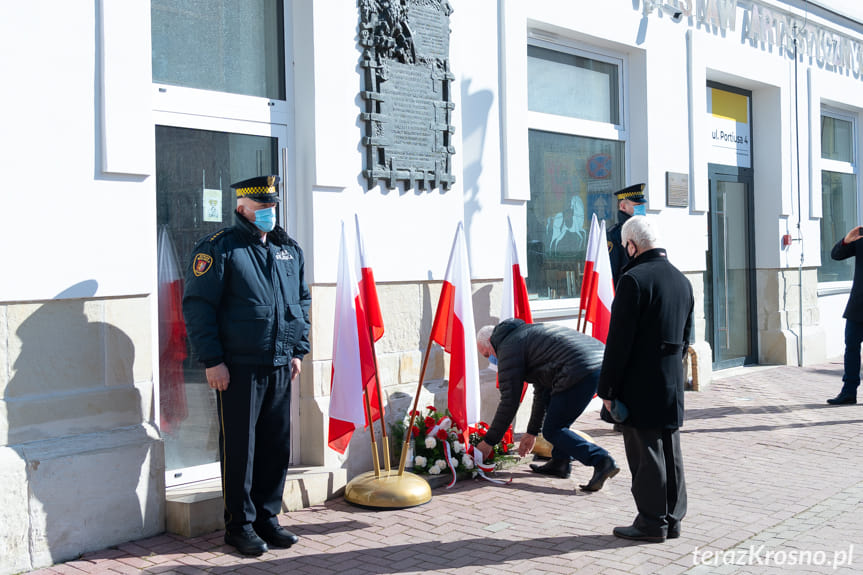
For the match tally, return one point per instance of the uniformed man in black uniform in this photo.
(246, 305)
(630, 202)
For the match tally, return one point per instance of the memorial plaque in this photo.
(676, 189)
(407, 93)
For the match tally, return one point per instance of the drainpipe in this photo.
(799, 194)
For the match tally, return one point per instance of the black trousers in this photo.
(656, 464)
(254, 442)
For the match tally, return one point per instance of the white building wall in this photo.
(78, 218)
(83, 461)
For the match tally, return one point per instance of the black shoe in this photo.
(275, 534)
(635, 534)
(246, 541)
(673, 532)
(557, 467)
(843, 399)
(603, 471)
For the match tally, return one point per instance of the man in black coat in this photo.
(246, 306)
(648, 337)
(630, 202)
(563, 366)
(845, 248)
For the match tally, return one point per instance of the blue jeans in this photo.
(853, 338)
(563, 409)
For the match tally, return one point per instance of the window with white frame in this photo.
(220, 93)
(576, 140)
(838, 190)
(234, 46)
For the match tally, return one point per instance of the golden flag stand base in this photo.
(388, 491)
(543, 448)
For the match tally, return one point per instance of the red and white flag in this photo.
(353, 359)
(587, 278)
(368, 289)
(602, 292)
(515, 302)
(453, 328)
(173, 409)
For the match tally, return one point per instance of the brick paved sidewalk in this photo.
(775, 480)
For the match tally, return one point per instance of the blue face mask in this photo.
(492, 362)
(265, 219)
(639, 210)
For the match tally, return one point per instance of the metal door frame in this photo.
(733, 174)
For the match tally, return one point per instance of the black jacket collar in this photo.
(251, 233)
(649, 255)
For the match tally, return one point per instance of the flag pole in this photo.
(375, 462)
(410, 426)
(587, 306)
(384, 439)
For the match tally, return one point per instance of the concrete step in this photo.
(196, 508)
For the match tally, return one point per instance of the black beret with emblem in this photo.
(633, 193)
(261, 189)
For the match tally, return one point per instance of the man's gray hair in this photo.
(483, 336)
(638, 230)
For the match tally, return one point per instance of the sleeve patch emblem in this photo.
(202, 264)
(610, 246)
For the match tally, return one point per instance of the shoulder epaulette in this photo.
(217, 234)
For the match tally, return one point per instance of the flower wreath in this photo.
(439, 445)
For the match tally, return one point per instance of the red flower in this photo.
(441, 434)
(431, 408)
(415, 431)
(430, 422)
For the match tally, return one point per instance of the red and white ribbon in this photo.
(444, 425)
(482, 468)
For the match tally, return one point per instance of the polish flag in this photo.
(515, 302)
(453, 329)
(368, 290)
(589, 264)
(353, 360)
(601, 293)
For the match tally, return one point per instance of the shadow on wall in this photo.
(476, 107)
(75, 419)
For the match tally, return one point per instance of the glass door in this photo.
(729, 281)
(194, 170)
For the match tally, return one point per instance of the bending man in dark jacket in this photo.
(648, 336)
(246, 306)
(563, 366)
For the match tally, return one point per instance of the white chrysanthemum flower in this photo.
(434, 470)
(420, 461)
(457, 448)
(431, 442)
(440, 463)
(467, 461)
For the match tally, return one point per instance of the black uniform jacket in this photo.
(647, 339)
(616, 253)
(841, 251)
(246, 302)
(551, 357)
